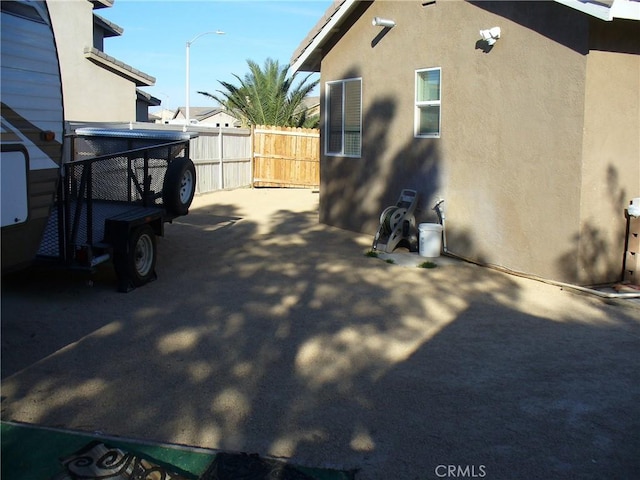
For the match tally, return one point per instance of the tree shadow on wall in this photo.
(356, 190)
(598, 253)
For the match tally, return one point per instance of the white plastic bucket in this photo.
(430, 239)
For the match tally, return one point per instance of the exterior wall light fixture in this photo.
(383, 22)
(491, 35)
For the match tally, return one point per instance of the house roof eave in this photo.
(100, 58)
(110, 28)
(101, 3)
(308, 55)
(147, 98)
(608, 11)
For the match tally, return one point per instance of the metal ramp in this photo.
(398, 223)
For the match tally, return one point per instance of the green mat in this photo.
(32, 452)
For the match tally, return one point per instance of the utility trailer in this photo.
(105, 198)
(114, 198)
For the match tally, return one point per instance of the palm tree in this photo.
(268, 96)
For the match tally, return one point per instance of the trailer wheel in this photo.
(179, 186)
(137, 266)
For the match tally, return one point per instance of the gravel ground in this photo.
(268, 332)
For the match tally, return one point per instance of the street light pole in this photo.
(188, 86)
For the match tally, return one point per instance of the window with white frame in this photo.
(344, 118)
(427, 112)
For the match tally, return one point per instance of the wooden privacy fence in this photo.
(227, 158)
(222, 157)
(286, 157)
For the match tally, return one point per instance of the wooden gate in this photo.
(286, 157)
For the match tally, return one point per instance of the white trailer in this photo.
(31, 130)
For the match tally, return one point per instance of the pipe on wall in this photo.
(569, 286)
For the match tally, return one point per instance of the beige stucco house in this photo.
(531, 136)
(96, 86)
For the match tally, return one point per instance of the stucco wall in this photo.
(611, 162)
(510, 161)
(91, 93)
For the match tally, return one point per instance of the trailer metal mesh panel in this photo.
(49, 247)
(108, 177)
(121, 178)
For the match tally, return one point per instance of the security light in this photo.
(490, 35)
(383, 22)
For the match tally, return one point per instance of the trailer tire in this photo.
(137, 266)
(179, 186)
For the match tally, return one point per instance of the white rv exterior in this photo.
(32, 128)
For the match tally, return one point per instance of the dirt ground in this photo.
(268, 332)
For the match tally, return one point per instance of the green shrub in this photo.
(427, 264)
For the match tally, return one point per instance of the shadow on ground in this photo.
(268, 332)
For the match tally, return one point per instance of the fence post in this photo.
(253, 156)
(220, 165)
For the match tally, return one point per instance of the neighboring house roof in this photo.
(147, 98)
(110, 29)
(141, 79)
(310, 102)
(308, 55)
(311, 105)
(212, 112)
(201, 113)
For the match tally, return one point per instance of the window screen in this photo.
(344, 118)
(428, 103)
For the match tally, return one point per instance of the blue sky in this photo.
(156, 33)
